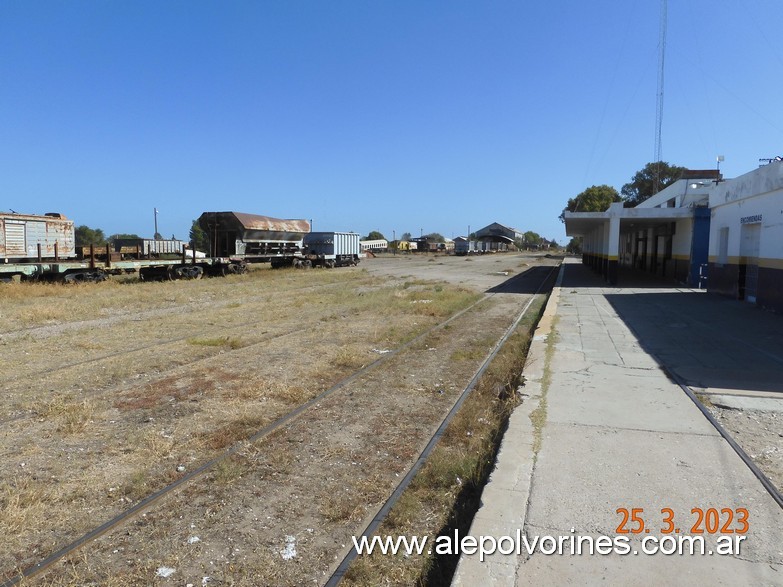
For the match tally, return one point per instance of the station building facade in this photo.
(700, 231)
(746, 237)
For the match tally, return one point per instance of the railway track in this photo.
(48, 330)
(22, 373)
(162, 374)
(692, 393)
(338, 574)
(285, 420)
(721, 338)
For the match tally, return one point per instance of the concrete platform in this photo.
(603, 427)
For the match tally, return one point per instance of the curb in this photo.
(502, 512)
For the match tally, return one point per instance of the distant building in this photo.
(497, 237)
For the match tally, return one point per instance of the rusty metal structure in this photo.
(253, 238)
(26, 236)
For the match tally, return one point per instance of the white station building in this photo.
(701, 231)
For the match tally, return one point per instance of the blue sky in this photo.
(370, 115)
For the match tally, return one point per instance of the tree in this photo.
(122, 236)
(375, 236)
(406, 236)
(596, 198)
(434, 237)
(199, 240)
(86, 236)
(532, 239)
(642, 184)
(575, 246)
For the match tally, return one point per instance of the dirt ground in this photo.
(110, 392)
(760, 434)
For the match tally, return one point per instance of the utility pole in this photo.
(659, 103)
(155, 236)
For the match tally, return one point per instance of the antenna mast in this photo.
(659, 104)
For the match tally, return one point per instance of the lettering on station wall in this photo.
(750, 219)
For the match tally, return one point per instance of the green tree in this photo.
(199, 240)
(375, 236)
(434, 237)
(406, 236)
(86, 236)
(596, 198)
(575, 246)
(122, 235)
(532, 239)
(643, 183)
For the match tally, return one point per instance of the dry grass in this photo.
(70, 414)
(170, 373)
(445, 493)
(228, 342)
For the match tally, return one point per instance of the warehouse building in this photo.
(496, 237)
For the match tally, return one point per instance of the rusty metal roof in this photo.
(255, 222)
(266, 223)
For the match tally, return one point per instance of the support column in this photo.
(613, 249)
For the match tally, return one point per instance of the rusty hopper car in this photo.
(28, 237)
(253, 238)
(332, 249)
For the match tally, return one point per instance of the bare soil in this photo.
(111, 391)
(760, 434)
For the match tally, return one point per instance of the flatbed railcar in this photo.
(42, 248)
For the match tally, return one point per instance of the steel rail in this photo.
(773, 491)
(339, 573)
(153, 498)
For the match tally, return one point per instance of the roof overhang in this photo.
(582, 223)
(495, 238)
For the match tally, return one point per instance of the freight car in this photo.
(281, 242)
(26, 236)
(253, 238)
(43, 248)
(331, 249)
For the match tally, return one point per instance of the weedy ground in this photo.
(114, 390)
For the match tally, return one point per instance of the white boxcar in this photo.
(332, 248)
(26, 237)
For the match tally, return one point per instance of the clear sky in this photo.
(390, 115)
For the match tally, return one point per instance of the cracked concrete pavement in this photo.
(617, 433)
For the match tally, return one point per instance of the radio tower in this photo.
(659, 104)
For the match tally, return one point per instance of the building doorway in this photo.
(750, 245)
